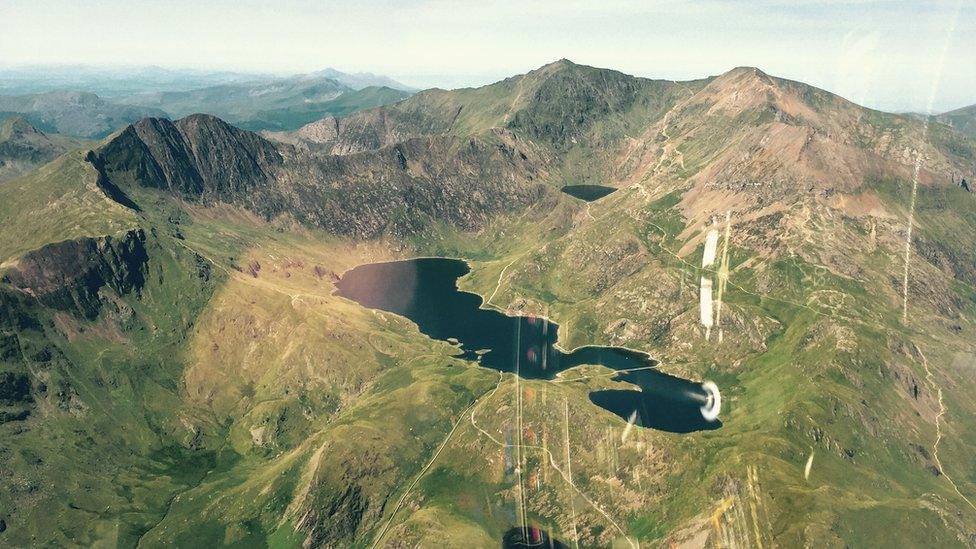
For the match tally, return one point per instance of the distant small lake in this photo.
(425, 291)
(588, 193)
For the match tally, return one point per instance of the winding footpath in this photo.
(938, 429)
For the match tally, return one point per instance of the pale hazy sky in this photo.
(896, 55)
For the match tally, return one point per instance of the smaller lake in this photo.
(425, 291)
(588, 193)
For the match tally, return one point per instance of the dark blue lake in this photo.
(588, 193)
(425, 291)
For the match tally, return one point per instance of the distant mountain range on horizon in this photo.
(93, 103)
(121, 81)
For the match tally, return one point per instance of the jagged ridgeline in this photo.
(175, 368)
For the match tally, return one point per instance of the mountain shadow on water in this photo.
(425, 291)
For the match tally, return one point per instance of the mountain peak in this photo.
(745, 70)
(555, 66)
(745, 76)
(202, 119)
(750, 89)
(199, 155)
(562, 62)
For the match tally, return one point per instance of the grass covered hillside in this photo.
(175, 368)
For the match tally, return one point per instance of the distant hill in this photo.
(23, 147)
(122, 81)
(92, 102)
(294, 116)
(963, 120)
(274, 104)
(111, 82)
(360, 80)
(78, 114)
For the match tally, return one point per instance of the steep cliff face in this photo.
(76, 277)
(73, 275)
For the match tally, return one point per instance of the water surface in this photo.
(588, 193)
(425, 291)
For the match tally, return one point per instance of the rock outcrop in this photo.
(72, 276)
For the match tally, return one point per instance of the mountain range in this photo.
(251, 101)
(176, 369)
(125, 81)
(78, 114)
(279, 104)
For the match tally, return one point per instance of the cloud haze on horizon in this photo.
(893, 55)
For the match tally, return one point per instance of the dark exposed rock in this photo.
(69, 275)
(345, 501)
(199, 156)
(21, 340)
(110, 189)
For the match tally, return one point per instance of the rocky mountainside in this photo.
(561, 104)
(169, 316)
(397, 190)
(198, 156)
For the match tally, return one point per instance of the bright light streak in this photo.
(713, 405)
(630, 426)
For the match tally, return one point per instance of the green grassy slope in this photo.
(59, 201)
